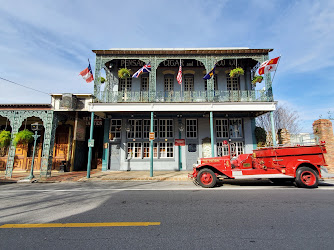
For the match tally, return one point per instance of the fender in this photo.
(292, 166)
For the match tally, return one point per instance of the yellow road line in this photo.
(106, 224)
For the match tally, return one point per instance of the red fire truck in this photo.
(299, 163)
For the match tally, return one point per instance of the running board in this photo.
(261, 176)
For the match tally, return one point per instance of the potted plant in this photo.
(4, 138)
(102, 79)
(237, 72)
(23, 137)
(257, 79)
(124, 73)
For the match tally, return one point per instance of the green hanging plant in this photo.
(5, 138)
(257, 79)
(124, 73)
(237, 72)
(23, 137)
(102, 79)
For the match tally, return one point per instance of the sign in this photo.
(180, 142)
(97, 120)
(151, 136)
(91, 143)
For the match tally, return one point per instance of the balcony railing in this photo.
(187, 96)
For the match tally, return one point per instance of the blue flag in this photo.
(210, 74)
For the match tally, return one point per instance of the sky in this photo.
(44, 44)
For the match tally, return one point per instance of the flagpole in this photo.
(276, 69)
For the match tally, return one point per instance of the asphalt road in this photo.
(243, 215)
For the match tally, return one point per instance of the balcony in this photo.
(216, 96)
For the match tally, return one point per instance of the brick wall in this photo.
(324, 129)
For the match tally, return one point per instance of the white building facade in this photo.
(190, 120)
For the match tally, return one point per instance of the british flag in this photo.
(145, 69)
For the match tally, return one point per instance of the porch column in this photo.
(89, 163)
(210, 83)
(153, 80)
(212, 138)
(151, 141)
(105, 156)
(97, 77)
(14, 123)
(273, 128)
(50, 124)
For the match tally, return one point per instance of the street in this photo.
(243, 215)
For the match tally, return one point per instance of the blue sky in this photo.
(45, 44)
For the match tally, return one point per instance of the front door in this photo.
(191, 155)
(115, 156)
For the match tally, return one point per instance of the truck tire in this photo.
(306, 178)
(206, 178)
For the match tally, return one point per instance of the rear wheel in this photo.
(206, 178)
(306, 178)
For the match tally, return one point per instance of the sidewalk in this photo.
(98, 175)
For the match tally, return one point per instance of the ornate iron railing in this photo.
(187, 96)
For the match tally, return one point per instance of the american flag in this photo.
(179, 75)
(145, 68)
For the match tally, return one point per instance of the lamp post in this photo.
(34, 127)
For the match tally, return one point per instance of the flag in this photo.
(179, 75)
(210, 74)
(87, 74)
(145, 68)
(268, 66)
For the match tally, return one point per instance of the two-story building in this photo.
(204, 114)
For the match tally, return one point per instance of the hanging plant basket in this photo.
(257, 79)
(5, 138)
(23, 137)
(102, 79)
(124, 73)
(237, 72)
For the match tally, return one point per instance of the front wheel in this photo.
(306, 178)
(206, 178)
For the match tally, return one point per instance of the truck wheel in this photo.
(207, 178)
(306, 178)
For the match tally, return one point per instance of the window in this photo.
(188, 82)
(125, 84)
(215, 82)
(166, 150)
(169, 83)
(222, 149)
(166, 128)
(233, 83)
(147, 149)
(235, 128)
(135, 129)
(115, 129)
(134, 150)
(147, 128)
(144, 83)
(237, 148)
(191, 128)
(222, 128)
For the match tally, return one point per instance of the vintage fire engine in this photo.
(301, 164)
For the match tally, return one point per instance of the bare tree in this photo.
(284, 118)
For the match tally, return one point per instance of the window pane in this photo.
(191, 128)
(115, 129)
(166, 150)
(221, 128)
(235, 128)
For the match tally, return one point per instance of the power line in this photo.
(24, 86)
